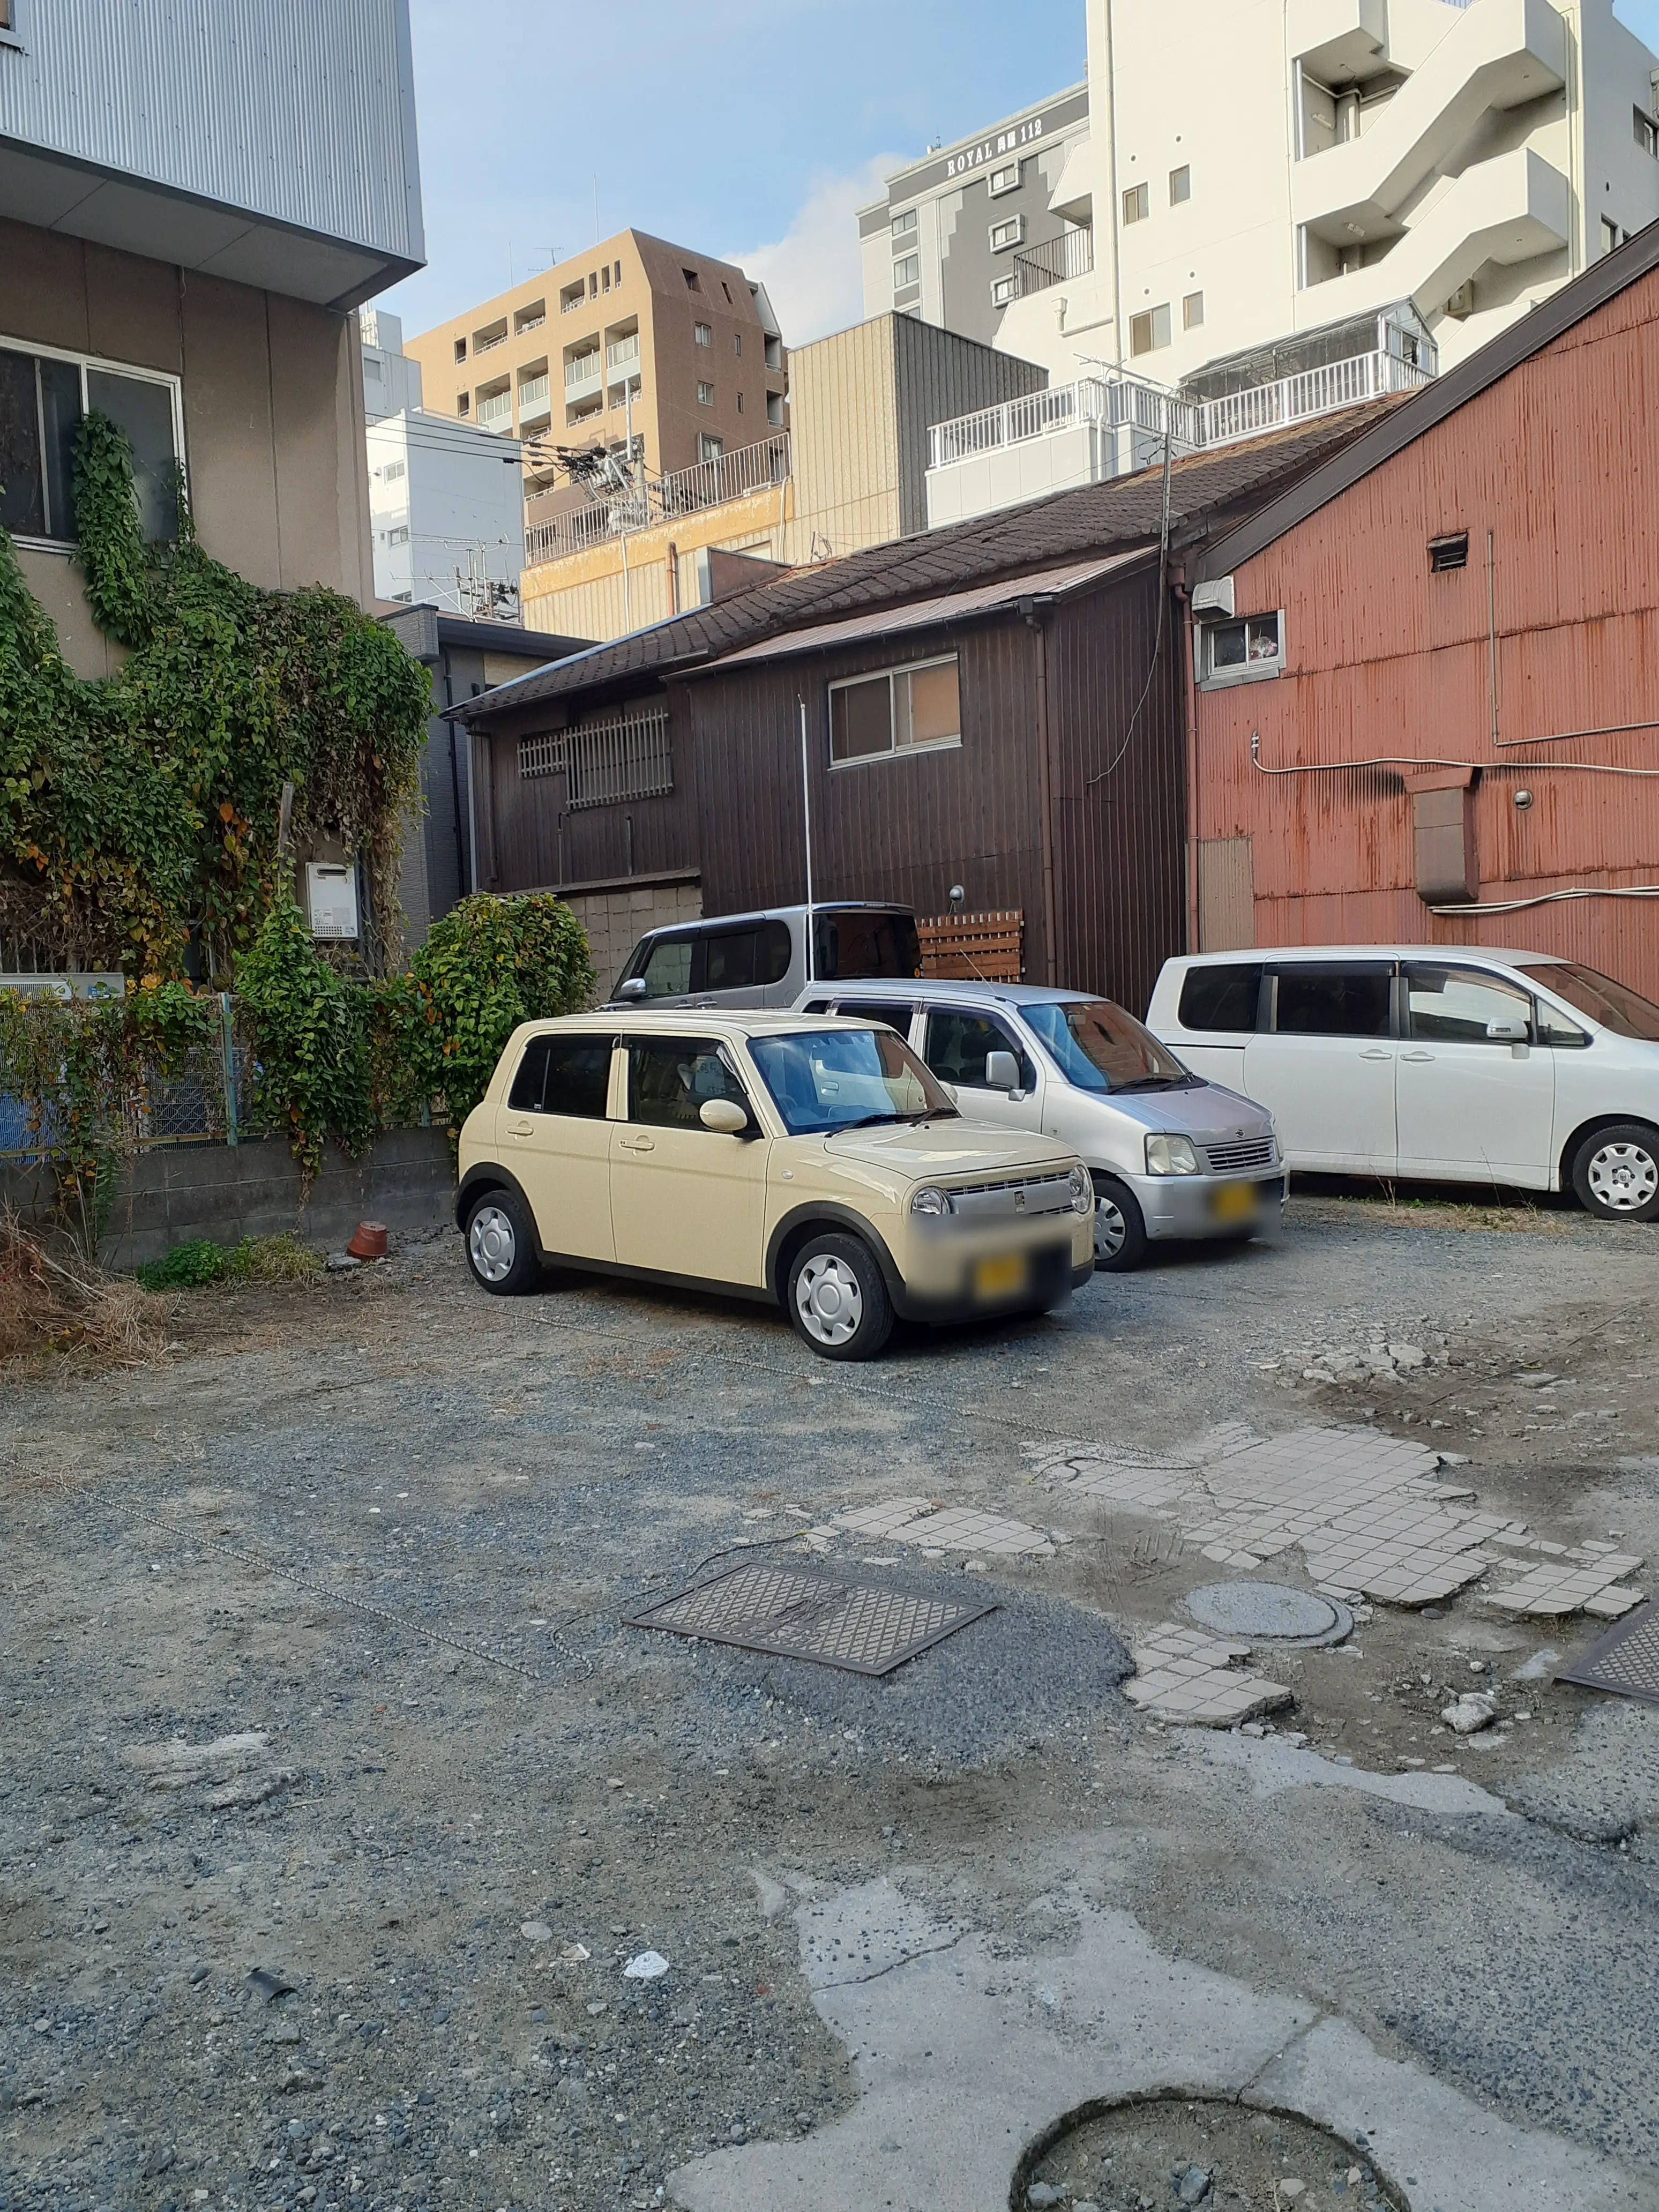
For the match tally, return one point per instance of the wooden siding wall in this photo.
(529, 841)
(1559, 461)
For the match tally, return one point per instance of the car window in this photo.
(872, 1009)
(747, 958)
(1348, 1002)
(849, 944)
(1222, 998)
(1098, 1047)
(1614, 1006)
(957, 1043)
(828, 1079)
(1453, 1005)
(667, 970)
(569, 1075)
(670, 1079)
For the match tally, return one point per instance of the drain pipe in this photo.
(1183, 590)
(1032, 611)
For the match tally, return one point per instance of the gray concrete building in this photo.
(968, 229)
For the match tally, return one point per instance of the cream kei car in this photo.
(798, 1159)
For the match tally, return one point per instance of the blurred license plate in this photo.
(998, 1277)
(1233, 1201)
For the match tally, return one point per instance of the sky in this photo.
(750, 130)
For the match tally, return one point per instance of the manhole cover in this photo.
(864, 1629)
(1625, 1660)
(1270, 1611)
(1171, 2151)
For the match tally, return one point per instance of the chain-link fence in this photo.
(206, 1100)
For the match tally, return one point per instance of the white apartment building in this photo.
(1264, 167)
(960, 232)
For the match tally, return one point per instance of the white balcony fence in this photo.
(1122, 399)
(621, 352)
(759, 467)
(495, 413)
(488, 345)
(532, 395)
(584, 372)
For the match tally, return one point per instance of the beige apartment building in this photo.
(682, 347)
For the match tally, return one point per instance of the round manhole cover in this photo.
(1271, 1611)
(1174, 2151)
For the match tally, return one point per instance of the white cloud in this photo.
(813, 273)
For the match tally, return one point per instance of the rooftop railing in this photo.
(760, 467)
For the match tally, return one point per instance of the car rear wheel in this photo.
(837, 1299)
(1120, 1227)
(1615, 1172)
(501, 1245)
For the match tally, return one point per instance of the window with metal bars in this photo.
(622, 756)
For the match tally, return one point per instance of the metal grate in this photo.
(863, 1629)
(1233, 1159)
(1625, 1660)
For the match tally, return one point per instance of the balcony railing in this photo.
(584, 372)
(1056, 262)
(1123, 400)
(534, 396)
(488, 345)
(529, 322)
(622, 351)
(495, 413)
(759, 467)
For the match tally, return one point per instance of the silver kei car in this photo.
(1172, 1156)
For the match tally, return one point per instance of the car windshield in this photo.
(1097, 1047)
(1615, 1006)
(826, 1079)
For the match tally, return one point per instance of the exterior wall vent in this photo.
(1451, 552)
(1443, 836)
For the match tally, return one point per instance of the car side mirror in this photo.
(1001, 1072)
(724, 1114)
(1508, 1031)
(633, 988)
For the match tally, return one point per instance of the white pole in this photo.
(806, 813)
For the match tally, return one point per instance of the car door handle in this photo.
(521, 1128)
(637, 1144)
(1375, 1054)
(1417, 1058)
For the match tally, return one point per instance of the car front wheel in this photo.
(501, 1245)
(1615, 1172)
(836, 1297)
(1120, 1227)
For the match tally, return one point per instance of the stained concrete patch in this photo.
(962, 2056)
(1274, 1765)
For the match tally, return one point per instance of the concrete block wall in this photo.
(615, 919)
(227, 1191)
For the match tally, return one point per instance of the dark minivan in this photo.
(760, 959)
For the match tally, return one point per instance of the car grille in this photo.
(1240, 1155)
(1021, 1196)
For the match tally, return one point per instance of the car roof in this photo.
(694, 1021)
(1324, 953)
(926, 988)
(696, 923)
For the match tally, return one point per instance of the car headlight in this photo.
(1083, 1191)
(929, 1201)
(1167, 1155)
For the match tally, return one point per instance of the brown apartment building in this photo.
(688, 345)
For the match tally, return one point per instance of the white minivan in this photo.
(1443, 1063)
(1171, 1154)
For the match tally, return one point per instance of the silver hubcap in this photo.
(491, 1242)
(1110, 1230)
(1623, 1177)
(828, 1299)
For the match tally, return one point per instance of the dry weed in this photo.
(56, 1302)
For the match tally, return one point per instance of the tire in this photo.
(1615, 1172)
(1119, 1228)
(501, 1244)
(836, 1299)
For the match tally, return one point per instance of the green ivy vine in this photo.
(142, 811)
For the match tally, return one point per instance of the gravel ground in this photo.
(366, 1548)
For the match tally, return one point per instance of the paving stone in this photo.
(923, 1522)
(1193, 1679)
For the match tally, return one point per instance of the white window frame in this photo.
(911, 262)
(1212, 678)
(905, 225)
(1007, 234)
(894, 752)
(1006, 179)
(704, 393)
(702, 334)
(1149, 316)
(84, 362)
(1004, 290)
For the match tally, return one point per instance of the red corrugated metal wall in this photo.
(1558, 462)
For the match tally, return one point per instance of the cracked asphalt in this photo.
(365, 1549)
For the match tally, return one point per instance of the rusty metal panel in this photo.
(1551, 629)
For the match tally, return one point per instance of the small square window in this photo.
(908, 272)
(904, 226)
(1006, 179)
(693, 281)
(1149, 330)
(1003, 290)
(1242, 652)
(1645, 131)
(1450, 551)
(1192, 312)
(705, 395)
(702, 333)
(709, 447)
(460, 348)
(1137, 203)
(775, 408)
(463, 402)
(1180, 184)
(1011, 231)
